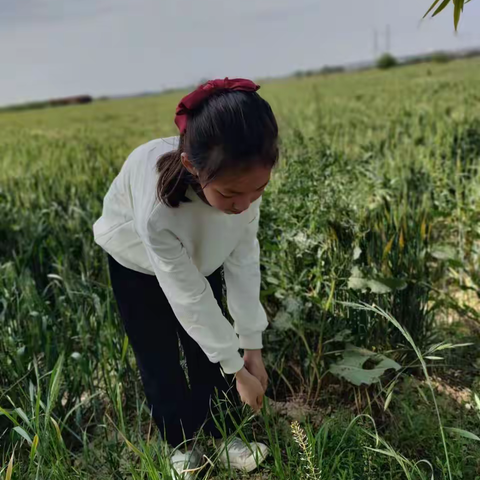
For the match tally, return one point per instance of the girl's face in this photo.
(232, 193)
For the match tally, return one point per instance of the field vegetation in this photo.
(370, 258)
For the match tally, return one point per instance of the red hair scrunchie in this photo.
(195, 98)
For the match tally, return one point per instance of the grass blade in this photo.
(408, 337)
(54, 386)
(23, 434)
(441, 7)
(463, 433)
(8, 475)
(23, 415)
(434, 4)
(57, 429)
(458, 7)
(388, 400)
(33, 450)
(4, 412)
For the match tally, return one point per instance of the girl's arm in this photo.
(242, 278)
(191, 298)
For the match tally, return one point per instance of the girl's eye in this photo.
(225, 196)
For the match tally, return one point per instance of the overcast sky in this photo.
(51, 48)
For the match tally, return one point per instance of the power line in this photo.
(379, 38)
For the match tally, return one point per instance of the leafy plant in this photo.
(440, 5)
(375, 201)
(351, 366)
(386, 61)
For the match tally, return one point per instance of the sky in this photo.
(54, 48)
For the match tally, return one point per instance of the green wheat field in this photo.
(370, 237)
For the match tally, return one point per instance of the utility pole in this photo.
(387, 39)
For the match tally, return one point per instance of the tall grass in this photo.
(375, 202)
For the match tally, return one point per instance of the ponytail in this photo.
(173, 179)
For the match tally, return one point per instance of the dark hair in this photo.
(230, 130)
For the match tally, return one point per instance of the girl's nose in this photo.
(241, 204)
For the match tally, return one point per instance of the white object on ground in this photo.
(242, 456)
(184, 464)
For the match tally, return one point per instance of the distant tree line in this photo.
(387, 60)
(54, 102)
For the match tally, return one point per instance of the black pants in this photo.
(179, 407)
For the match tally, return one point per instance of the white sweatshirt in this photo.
(183, 245)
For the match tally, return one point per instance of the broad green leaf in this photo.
(447, 254)
(356, 280)
(463, 433)
(380, 285)
(342, 336)
(392, 283)
(350, 367)
(377, 286)
(285, 318)
(444, 252)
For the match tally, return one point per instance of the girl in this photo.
(182, 216)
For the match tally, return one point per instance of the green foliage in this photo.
(440, 57)
(352, 366)
(440, 5)
(376, 201)
(386, 61)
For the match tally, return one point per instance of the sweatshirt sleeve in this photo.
(191, 298)
(242, 278)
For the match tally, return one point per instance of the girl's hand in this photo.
(249, 389)
(254, 364)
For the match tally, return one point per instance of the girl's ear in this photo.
(188, 165)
